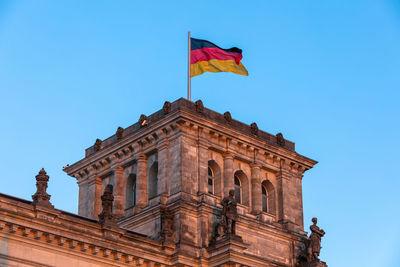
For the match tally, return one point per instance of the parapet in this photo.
(195, 108)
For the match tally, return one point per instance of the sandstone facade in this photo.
(170, 172)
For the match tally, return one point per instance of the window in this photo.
(153, 180)
(131, 191)
(268, 197)
(238, 189)
(264, 199)
(213, 181)
(210, 183)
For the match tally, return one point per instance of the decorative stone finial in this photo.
(97, 144)
(254, 128)
(199, 106)
(119, 133)
(143, 120)
(41, 198)
(280, 140)
(106, 217)
(228, 117)
(167, 107)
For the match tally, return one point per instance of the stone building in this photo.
(169, 173)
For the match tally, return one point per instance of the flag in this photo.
(207, 57)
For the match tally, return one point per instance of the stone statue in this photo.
(229, 213)
(106, 217)
(315, 240)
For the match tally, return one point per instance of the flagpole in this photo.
(189, 49)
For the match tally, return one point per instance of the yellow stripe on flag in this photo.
(215, 65)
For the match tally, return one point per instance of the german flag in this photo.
(207, 57)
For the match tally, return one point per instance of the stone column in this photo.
(141, 188)
(118, 191)
(256, 193)
(94, 197)
(228, 173)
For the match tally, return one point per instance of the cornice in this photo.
(184, 120)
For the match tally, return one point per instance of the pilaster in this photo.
(83, 197)
(202, 148)
(118, 191)
(94, 204)
(162, 148)
(142, 181)
(289, 199)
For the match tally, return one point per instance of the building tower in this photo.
(170, 172)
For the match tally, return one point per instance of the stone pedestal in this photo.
(226, 250)
(227, 243)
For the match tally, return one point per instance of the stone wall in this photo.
(186, 141)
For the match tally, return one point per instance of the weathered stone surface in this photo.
(199, 152)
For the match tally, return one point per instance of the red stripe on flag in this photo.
(208, 53)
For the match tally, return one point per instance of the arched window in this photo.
(131, 191)
(238, 189)
(210, 183)
(264, 199)
(268, 197)
(214, 185)
(153, 180)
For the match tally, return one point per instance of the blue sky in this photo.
(324, 73)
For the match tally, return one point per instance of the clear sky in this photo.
(324, 73)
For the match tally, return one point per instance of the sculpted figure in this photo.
(229, 212)
(315, 239)
(106, 217)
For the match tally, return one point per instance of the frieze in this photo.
(82, 246)
(214, 137)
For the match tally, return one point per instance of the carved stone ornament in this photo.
(106, 217)
(228, 117)
(167, 233)
(167, 107)
(280, 140)
(97, 144)
(199, 106)
(41, 198)
(143, 120)
(119, 133)
(254, 128)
